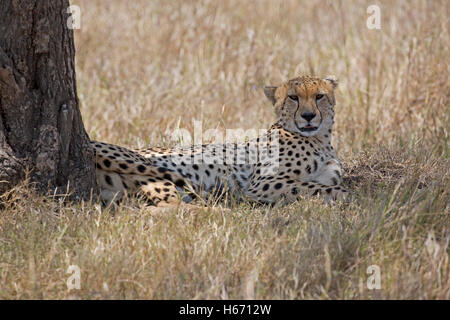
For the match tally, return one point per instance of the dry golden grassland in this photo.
(145, 68)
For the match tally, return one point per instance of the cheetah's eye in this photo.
(292, 97)
(319, 96)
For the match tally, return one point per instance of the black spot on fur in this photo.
(108, 180)
(180, 183)
(162, 170)
(123, 166)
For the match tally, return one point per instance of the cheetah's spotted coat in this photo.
(307, 163)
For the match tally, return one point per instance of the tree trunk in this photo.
(41, 130)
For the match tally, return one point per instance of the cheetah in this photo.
(293, 158)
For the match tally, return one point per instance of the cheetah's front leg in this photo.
(272, 191)
(330, 193)
(330, 174)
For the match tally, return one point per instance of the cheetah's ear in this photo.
(332, 80)
(270, 93)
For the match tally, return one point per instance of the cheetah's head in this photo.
(304, 104)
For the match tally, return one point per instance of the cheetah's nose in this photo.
(308, 116)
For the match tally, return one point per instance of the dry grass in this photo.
(145, 68)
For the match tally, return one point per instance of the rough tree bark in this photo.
(41, 129)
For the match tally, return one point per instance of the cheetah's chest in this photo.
(303, 160)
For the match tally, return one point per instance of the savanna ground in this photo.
(145, 68)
